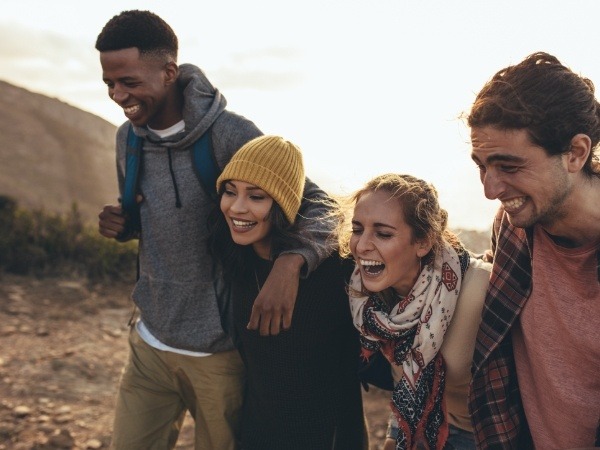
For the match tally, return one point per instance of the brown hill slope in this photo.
(53, 154)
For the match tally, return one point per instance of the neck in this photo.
(262, 249)
(172, 110)
(581, 223)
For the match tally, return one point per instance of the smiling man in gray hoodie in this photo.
(181, 356)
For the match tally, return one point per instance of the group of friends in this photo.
(256, 303)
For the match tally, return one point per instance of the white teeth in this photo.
(369, 262)
(243, 223)
(131, 109)
(372, 268)
(514, 203)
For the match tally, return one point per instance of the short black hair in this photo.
(141, 29)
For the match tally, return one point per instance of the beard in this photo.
(553, 208)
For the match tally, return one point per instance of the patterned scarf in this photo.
(410, 335)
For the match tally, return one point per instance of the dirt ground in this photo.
(63, 344)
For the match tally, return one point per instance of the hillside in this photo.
(53, 154)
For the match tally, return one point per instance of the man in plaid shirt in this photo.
(536, 369)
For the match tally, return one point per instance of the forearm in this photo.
(290, 263)
(316, 225)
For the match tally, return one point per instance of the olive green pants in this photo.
(157, 388)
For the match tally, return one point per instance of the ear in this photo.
(581, 146)
(424, 247)
(171, 72)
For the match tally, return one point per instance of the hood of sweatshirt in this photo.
(203, 103)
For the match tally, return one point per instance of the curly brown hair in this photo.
(547, 99)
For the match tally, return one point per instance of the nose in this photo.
(493, 185)
(364, 243)
(239, 205)
(117, 94)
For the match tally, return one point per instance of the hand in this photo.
(111, 221)
(274, 305)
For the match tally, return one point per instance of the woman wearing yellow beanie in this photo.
(302, 388)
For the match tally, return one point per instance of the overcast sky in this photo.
(364, 87)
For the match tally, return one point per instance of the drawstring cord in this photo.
(177, 199)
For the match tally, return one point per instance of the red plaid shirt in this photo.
(494, 398)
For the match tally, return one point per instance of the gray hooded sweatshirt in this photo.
(180, 289)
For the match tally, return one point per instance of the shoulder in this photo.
(232, 127)
(475, 283)
(335, 266)
(479, 268)
(122, 131)
(478, 274)
(121, 139)
(230, 131)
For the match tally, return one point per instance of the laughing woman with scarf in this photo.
(416, 295)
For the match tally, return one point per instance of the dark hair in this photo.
(419, 202)
(547, 99)
(141, 29)
(234, 257)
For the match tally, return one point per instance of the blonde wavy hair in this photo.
(420, 206)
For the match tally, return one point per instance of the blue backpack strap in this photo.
(205, 165)
(203, 161)
(133, 156)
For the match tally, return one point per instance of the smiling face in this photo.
(246, 209)
(141, 85)
(532, 186)
(382, 244)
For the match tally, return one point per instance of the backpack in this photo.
(203, 161)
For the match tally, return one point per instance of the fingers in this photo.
(273, 326)
(254, 321)
(111, 221)
(268, 323)
(286, 320)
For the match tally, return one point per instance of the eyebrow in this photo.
(376, 224)
(250, 188)
(499, 158)
(121, 79)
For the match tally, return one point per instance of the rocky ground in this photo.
(63, 344)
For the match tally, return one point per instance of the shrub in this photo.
(40, 243)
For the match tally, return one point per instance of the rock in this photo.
(42, 331)
(15, 296)
(63, 410)
(7, 330)
(71, 284)
(62, 439)
(63, 418)
(21, 411)
(26, 329)
(93, 444)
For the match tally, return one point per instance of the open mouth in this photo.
(243, 224)
(131, 110)
(371, 267)
(514, 205)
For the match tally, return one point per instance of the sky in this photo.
(363, 87)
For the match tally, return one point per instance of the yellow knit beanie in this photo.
(274, 165)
